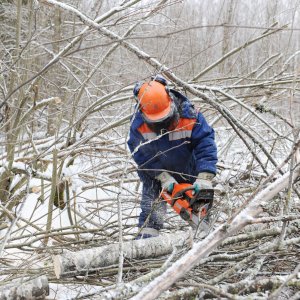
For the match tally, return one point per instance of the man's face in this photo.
(167, 125)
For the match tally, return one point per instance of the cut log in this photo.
(214, 239)
(89, 260)
(35, 289)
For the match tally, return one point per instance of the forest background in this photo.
(67, 179)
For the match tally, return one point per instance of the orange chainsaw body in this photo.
(183, 202)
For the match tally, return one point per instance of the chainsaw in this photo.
(190, 206)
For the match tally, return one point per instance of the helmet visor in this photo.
(161, 116)
(167, 124)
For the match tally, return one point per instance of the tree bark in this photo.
(213, 240)
(37, 288)
(85, 261)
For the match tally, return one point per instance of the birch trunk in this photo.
(37, 288)
(85, 261)
(213, 240)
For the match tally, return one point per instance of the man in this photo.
(171, 143)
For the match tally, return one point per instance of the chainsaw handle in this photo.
(181, 192)
(209, 196)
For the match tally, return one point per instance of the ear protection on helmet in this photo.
(160, 79)
(157, 78)
(136, 90)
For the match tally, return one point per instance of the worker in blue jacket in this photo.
(171, 143)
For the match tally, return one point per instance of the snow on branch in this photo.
(88, 260)
(213, 240)
(37, 288)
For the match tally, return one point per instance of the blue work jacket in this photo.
(183, 152)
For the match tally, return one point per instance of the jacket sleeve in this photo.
(204, 146)
(144, 155)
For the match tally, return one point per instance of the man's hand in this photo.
(203, 181)
(167, 181)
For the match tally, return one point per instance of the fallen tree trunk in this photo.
(34, 289)
(229, 291)
(213, 240)
(85, 261)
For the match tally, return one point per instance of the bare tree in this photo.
(68, 184)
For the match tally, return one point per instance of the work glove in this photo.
(167, 181)
(203, 181)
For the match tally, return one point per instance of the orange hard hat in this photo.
(155, 102)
